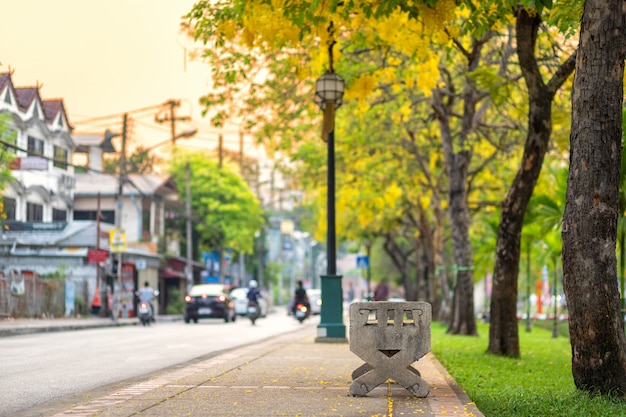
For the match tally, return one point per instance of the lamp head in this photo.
(187, 133)
(329, 89)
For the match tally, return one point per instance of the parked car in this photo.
(315, 299)
(209, 301)
(240, 298)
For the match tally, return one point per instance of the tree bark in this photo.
(591, 210)
(503, 329)
(431, 233)
(462, 320)
(401, 258)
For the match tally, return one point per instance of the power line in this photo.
(153, 126)
(47, 158)
(117, 115)
(216, 138)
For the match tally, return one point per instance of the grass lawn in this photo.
(538, 384)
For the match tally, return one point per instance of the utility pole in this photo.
(118, 219)
(188, 217)
(172, 118)
(98, 268)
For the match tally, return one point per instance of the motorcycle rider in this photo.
(300, 297)
(253, 292)
(253, 300)
(146, 295)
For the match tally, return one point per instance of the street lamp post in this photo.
(329, 96)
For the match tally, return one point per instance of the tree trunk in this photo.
(440, 279)
(401, 260)
(591, 209)
(462, 320)
(457, 152)
(503, 329)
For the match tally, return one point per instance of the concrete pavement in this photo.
(289, 375)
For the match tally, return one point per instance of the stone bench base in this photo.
(389, 337)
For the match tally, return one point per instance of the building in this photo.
(147, 201)
(91, 147)
(53, 232)
(42, 186)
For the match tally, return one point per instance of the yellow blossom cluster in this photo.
(265, 23)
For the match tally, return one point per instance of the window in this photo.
(9, 208)
(34, 212)
(106, 216)
(60, 157)
(59, 215)
(35, 146)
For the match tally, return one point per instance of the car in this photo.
(209, 301)
(240, 298)
(315, 300)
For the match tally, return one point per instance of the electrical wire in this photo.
(117, 115)
(47, 158)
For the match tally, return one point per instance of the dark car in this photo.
(209, 301)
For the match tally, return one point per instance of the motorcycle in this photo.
(302, 312)
(253, 311)
(144, 312)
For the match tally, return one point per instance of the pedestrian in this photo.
(381, 292)
(350, 293)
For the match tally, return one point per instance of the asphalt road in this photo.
(43, 367)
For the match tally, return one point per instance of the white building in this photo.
(42, 190)
(49, 227)
(145, 201)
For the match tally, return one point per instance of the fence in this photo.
(26, 295)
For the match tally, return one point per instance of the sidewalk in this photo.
(14, 327)
(290, 375)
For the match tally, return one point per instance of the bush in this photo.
(175, 303)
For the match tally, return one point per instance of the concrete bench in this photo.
(389, 337)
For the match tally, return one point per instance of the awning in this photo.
(172, 273)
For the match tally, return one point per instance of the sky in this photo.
(107, 58)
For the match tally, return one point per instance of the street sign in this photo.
(362, 262)
(96, 256)
(117, 240)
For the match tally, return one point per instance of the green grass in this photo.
(538, 384)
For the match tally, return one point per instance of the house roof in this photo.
(52, 107)
(76, 233)
(59, 240)
(88, 140)
(6, 82)
(5, 77)
(26, 95)
(91, 184)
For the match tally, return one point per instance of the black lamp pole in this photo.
(328, 95)
(331, 239)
